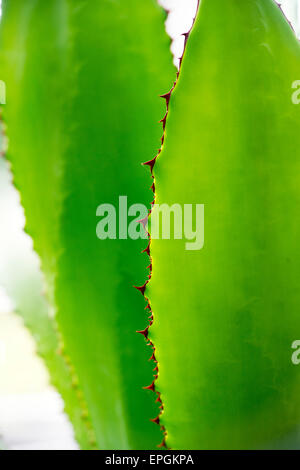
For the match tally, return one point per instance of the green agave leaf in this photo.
(34, 66)
(225, 316)
(83, 85)
(22, 280)
(26, 63)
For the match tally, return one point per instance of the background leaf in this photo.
(83, 85)
(23, 283)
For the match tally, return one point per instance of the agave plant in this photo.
(202, 359)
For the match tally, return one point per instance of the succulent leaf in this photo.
(82, 115)
(225, 316)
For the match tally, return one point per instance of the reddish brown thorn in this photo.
(186, 36)
(158, 399)
(155, 420)
(155, 369)
(150, 387)
(144, 221)
(153, 187)
(144, 332)
(148, 307)
(152, 358)
(162, 139)
(147, 249)
(150, 163)
(163, 444)
(167, 97)
(141, 289)
(164, 120)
